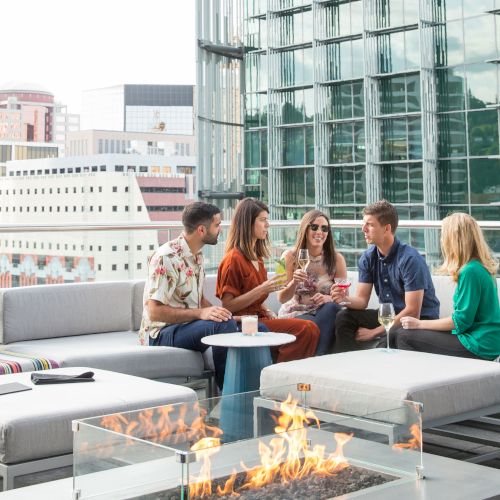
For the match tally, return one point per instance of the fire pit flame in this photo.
(288, 457)
(414, 443)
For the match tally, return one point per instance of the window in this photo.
(100, 208)
(100, 189)
(99, 267)
(119, 168)
(115, 189)
(113, 248)
(126, 208)
(126, 248)
(139, 265)
(113, 267)
(139, 247)
(125, 266)
(151, 247)
(139, 208)
(115, 208)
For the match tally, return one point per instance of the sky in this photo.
(67, 46)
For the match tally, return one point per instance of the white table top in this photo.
(238, 339)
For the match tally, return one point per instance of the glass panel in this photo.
(308, 105)
(356, 17)
(482, 88)
(483, 132)
(454, 43)
(478, 44)
(413, 93)
(451, 135)
(395, 183)
(341, 143)
(489, 213)
(453, 9)
(309, 131)
(293, 106)
(411, 12)
(394, 140)
(485, 181)
(342, 185)
(252, 149)
(358, 99)
(293, 146)
(262, 64)
(263, 148)
(359, 142)
(475, 7)
(308, 71)
(310, 189)
(293, 181)
(416, 183)
(412, 49)
(414, 138)
(346, 61)
(357, 70)
(262, 104)
(392, 95)
(450, 89)
(453, 186)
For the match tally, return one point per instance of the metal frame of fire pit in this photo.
(119, 456)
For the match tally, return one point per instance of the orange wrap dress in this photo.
(237, 275)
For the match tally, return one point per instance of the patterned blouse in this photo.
(318, 281)
(175, 278)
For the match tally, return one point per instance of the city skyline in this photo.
(70, 56)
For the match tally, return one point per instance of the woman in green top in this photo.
(473, 330)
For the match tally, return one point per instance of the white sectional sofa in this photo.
(96, 325)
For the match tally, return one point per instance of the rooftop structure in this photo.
(166, 109)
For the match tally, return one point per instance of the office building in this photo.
(166, 109)
(347, 102)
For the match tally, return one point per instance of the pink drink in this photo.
(344, 286)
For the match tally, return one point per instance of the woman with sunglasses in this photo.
(242, 284)
(307, 294)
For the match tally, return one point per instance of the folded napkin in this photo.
(55, 378)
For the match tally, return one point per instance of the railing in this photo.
(66, 252)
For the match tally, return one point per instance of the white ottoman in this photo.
(451, 389)
(36, 425)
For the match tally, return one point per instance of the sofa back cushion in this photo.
(48, 311)
(137, 305)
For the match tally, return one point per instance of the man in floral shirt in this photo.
(175, 311)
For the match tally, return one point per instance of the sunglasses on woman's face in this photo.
(323, 228)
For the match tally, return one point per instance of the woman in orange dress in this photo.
(242, 283)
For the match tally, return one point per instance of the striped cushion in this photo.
(13, 362)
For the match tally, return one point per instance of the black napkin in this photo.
(55, 378)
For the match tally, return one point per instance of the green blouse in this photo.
(476, 311)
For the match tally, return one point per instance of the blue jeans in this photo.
(189, 335)
(325, 319)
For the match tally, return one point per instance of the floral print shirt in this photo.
(175, 278)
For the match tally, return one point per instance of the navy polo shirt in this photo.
(402, 270)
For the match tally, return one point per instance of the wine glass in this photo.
(386, 319)
(343, 284)
(303, 258)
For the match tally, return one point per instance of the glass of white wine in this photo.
(386, 319)
(303, 258)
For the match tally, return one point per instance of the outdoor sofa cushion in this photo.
(44, 311)
(358, 382)
(116, 351)
(37, 424)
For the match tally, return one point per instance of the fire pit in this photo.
(250, 446)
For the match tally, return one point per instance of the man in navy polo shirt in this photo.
(399, 274)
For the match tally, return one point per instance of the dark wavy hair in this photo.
(329, 254)
(241, 231)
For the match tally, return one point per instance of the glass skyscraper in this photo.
(335, 104)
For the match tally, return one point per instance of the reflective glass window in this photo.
(341, 143)
(252, 149)
(414, 138)
(453, 183)
(293, 146)
(347, 185)
(453, 9)
(450, 87)
(451, 135)
(402, 183)
(483, 132)
(454, 44)
(359, 142)
(475, 7)
(482, 88)
(293, 182)
(484, 181)
(479, 47)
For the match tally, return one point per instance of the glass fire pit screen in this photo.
(300, 441)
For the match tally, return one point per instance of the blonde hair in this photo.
(462, 241)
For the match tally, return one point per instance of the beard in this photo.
(210, 239)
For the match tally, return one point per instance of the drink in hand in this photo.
(303, 258)
(343, 284)
(386, 317)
